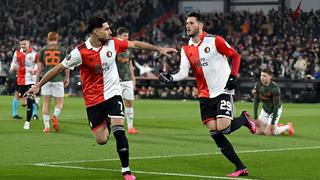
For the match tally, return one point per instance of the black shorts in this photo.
(219, 107)
(23, 89)
(101, 113)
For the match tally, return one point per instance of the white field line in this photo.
(55, 164)
(143, 172)
(177, 155)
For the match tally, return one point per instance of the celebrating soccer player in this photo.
(207, 55)
(101, 84)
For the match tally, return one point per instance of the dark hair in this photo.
(268, 71)
(197, 15)
(122, 30)
(24, 39)
(95, 22)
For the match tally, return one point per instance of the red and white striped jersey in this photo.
(209, 62)
(25, 63)
(98, 69)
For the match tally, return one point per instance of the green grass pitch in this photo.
(172, 145)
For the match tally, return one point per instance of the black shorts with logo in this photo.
(218, 107)
(23, 89)
(101, 113)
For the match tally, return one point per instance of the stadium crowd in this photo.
(285, 42)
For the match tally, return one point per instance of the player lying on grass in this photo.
(269, 93)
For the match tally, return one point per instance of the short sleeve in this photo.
(72, 60)
(223, 47)
(37, 58)
(120, 45)
(40, 56)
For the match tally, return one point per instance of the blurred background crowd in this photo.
(285, 41)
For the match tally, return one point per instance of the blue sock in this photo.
(15, 104)
(35, 109)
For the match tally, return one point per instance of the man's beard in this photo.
(195, 34)
(104, 41)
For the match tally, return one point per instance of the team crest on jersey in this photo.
(207, 50)
(109, 54)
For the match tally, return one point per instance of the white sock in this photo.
(56, 112)
(46, 120)
(125, 169)
(278, 130)
(128, 113)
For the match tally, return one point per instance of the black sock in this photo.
(236, 123)
(29, 108)
(227, 149)
(122, 144)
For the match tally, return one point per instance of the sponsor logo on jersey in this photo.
(207, 50)
(99, 68)
(201, 62)
(109, 54)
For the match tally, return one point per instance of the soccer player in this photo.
(269, 93)
(24, 61)
(127, 80)
(50, 56)
(101, 84)
(207, 55)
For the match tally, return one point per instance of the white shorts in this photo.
(55, 89)
(267, 118)
(127, 90)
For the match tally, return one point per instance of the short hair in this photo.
(122, 30)
(197, 15)
(95, 22)
(268, 71)
(24, 39)
(53, 36)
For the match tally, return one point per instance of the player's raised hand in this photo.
(33, 90)
(165, 51)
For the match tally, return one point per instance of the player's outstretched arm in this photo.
(47, 77)
(148, 46)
